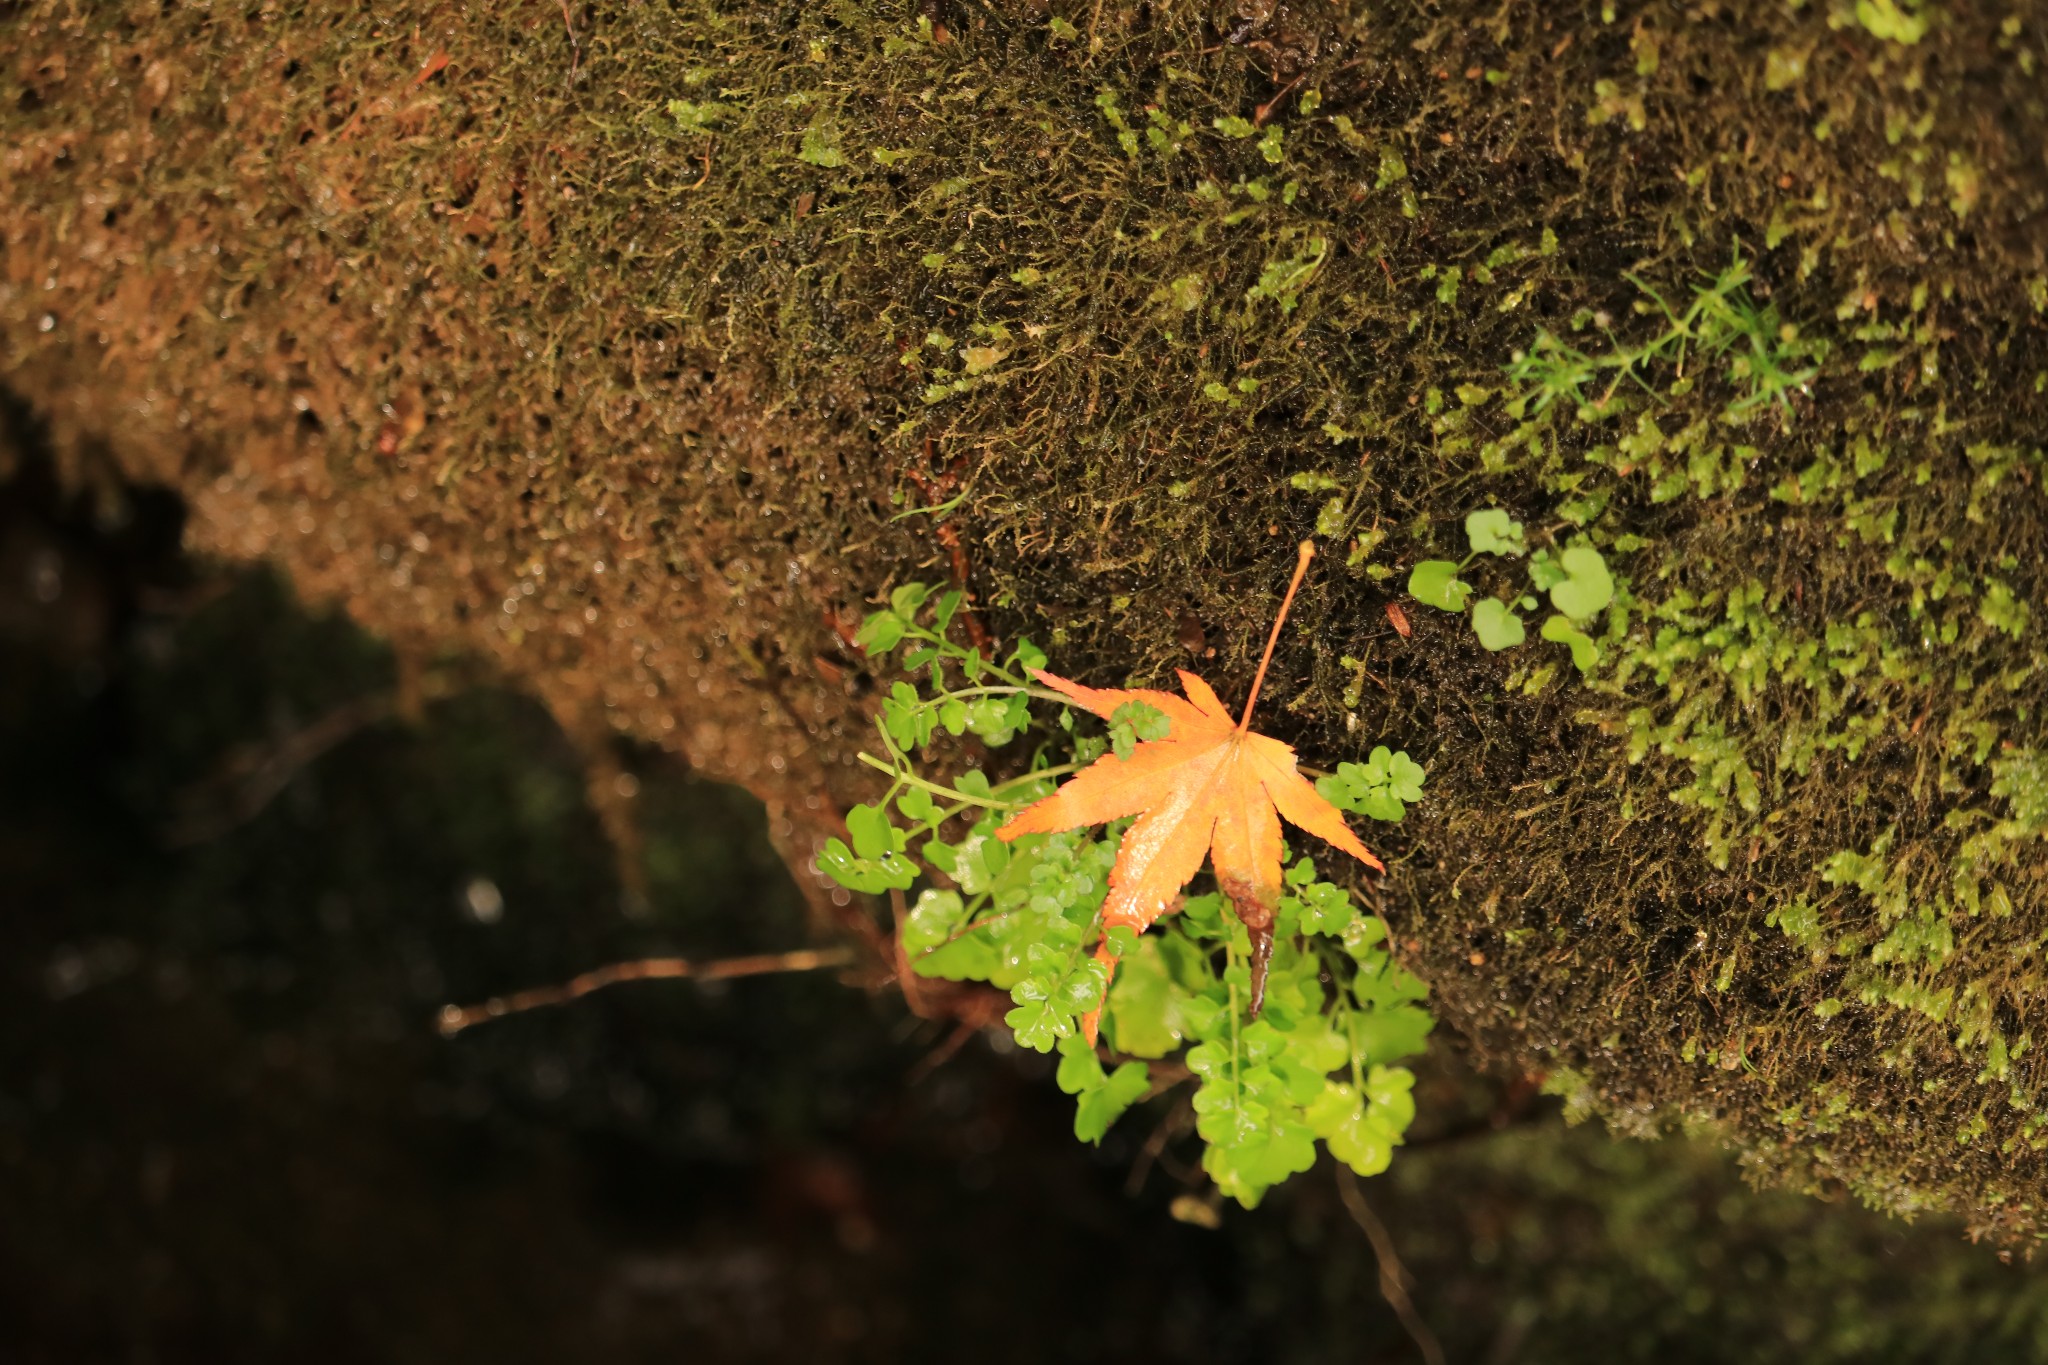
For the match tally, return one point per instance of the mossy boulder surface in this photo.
(641, 350)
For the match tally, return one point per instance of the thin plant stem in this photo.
(1393, 1274)
(455, 1018)
(905, 778)
(909, 779)
(1307, 552)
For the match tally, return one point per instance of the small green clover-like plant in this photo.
(1266, 1090)
(875, 862)
(1580, 588)
(1493, 532)
(1362, 1125)
(1586, 587)
(1496, 625)
(1381, 788)
(1560, 630)
(1436, 582)
(1318, 1064)
(1576, 578)
(1132, 722)
(1489, 531)
(1100, 1096)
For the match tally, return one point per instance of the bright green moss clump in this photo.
(765, 308)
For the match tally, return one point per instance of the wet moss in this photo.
(627, 350)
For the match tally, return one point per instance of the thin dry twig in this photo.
(455, 1018)
(1265, 111)
(1393, 1275)
(575, 48)
(1179, 1118)
(253, 776)
(943, 1053)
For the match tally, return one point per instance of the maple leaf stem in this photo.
(1262, 959)
(1307, 552)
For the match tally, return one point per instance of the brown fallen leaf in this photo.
(1211, 788)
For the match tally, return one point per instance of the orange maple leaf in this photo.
(1211, 789)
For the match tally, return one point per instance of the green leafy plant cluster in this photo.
(1381, 788)
(1765, 359)
(1320, 1060)
(1574, 576)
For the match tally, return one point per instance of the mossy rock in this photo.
(640, 351)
